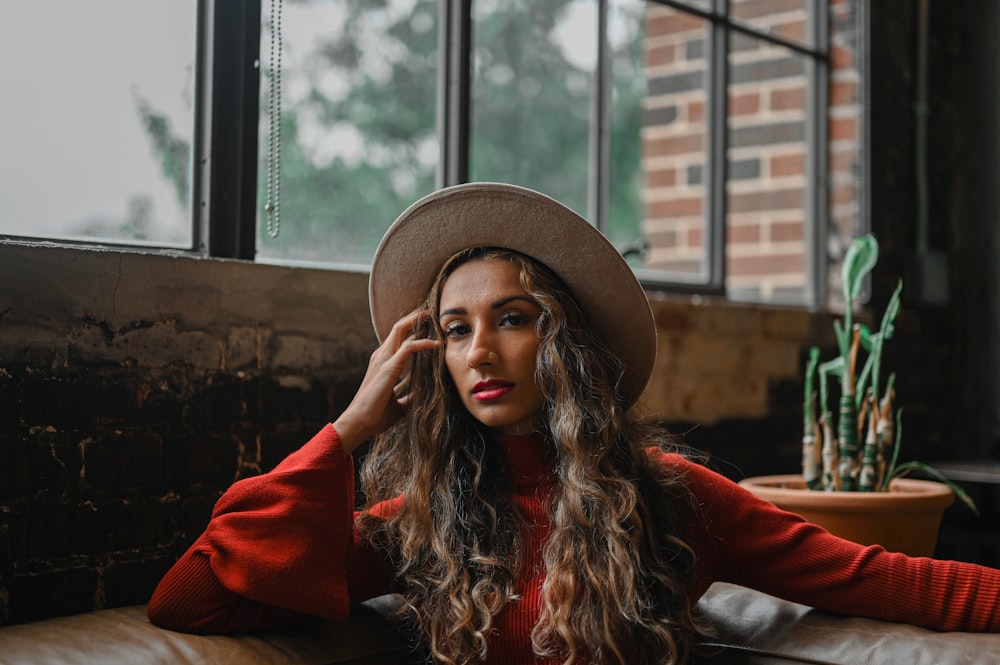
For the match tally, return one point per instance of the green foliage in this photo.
(869, 430)
(861, 256)
(531, 105)
(357, 152)
(962, 495)
(354, 158)
(172, 151)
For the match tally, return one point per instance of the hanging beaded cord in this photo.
(273, 205)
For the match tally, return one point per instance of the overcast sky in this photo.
(71, 143)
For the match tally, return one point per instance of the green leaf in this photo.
(861, 257)
(886, 330)
(834, 367)
(893, 306)
(901, 470)
(893, 469)
(843, 338)
(868, 338)
(809, 396)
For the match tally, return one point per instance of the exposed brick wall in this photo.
(728, 380)
(133, 391)
(719, 362)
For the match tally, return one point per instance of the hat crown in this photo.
(485, 214)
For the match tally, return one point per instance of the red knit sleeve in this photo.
(279, 546)
(748, 541)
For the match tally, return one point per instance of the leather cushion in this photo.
(751, 628)
(754, 628)
(124, 635)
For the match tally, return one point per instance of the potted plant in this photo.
(852, 483)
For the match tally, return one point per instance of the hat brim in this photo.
(485, 214)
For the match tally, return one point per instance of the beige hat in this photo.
(484, 214)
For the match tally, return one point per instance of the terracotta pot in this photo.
(904, 519)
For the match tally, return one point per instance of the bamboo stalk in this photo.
(812, 464)
(886, 428)
(868, 481)
(831, 471)
(847, 425)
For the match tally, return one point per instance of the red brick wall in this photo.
(767, 134)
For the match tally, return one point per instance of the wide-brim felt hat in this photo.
(486, 214)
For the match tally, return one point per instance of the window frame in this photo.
(817, 215)
(228, 64)
(225, 146)
(454, 128)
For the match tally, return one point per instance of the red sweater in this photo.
(282, 546)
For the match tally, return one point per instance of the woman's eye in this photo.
(514, 319)
(456, 329)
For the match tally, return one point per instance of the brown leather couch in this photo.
(751, 629)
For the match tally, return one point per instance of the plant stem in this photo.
(812, 469)
(869, 473)
(847, 425)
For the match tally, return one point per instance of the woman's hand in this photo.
(376, 405)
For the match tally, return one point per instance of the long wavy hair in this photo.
(618, 567)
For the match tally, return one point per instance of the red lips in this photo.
(485, 391)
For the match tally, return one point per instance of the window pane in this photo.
(98, 120)
(768, 189)
(785, 19)
(626, 45)
(533, 63)
(674, 138)
(358, 133)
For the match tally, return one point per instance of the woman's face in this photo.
(488, 322)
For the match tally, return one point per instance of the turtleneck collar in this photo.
(530, 458)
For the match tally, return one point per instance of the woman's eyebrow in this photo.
(497, 304)
(453, 310)
(506, 301)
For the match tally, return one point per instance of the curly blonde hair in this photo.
(618, 567)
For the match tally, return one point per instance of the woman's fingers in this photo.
(381, 398)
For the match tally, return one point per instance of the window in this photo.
(715, 142)
(358, 94)
(98, 119)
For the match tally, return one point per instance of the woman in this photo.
(524, 513)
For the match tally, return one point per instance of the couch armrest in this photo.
(753, 628)
(125, 636)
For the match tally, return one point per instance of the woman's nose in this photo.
(481, 351)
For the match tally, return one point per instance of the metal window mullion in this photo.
(817, 143)
(771, 38)
(718, 142)
(720, 12)
(598, 185)
(202, 135)
(454, 91)
(233, 113)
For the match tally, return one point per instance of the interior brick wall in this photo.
(133, 390)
